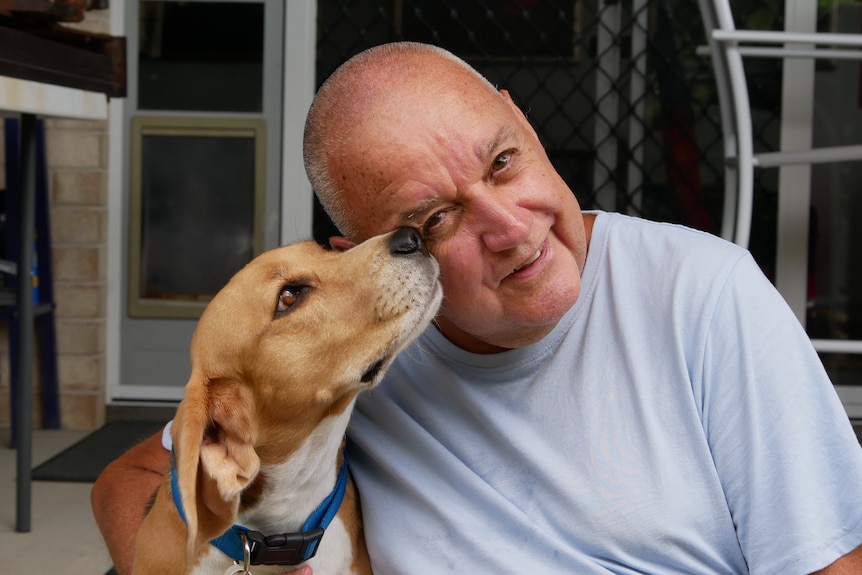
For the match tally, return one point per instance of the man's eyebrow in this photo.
(490, 146)
(417, 213)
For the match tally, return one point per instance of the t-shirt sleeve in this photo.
(167, 440)
(784, 448)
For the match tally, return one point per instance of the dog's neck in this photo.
(293, 488)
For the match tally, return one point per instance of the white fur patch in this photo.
(294, 489)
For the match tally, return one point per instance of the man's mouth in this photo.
(532, 259)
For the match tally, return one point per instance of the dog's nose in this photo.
(406, 241)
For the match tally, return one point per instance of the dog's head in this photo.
(291, 339)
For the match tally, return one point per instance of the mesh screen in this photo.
(616, 91)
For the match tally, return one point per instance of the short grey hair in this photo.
(335, 104)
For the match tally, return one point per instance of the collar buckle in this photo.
(284, 548)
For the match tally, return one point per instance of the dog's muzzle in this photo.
(406, 241)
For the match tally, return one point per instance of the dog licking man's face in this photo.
(312, 327)
(278, 357)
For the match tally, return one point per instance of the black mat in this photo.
(84, 460)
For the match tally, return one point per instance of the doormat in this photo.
(85, 460)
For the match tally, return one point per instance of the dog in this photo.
(277, 360)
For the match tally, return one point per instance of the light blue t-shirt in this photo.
(677, 420)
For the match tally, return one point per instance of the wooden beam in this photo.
(57, 55)
(56, 10)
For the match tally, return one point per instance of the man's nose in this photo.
(504, 224)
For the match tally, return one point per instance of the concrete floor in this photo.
(63, 536)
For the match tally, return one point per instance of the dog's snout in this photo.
(406, 241)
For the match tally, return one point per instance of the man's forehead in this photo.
(406, 174)
(407, 200)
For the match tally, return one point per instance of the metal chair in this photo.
(726, 47)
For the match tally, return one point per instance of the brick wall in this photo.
(77, 164)
(78, 168)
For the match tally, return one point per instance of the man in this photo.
(599, 394)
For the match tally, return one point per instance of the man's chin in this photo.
(504, 340)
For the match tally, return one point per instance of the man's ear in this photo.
(340, 243)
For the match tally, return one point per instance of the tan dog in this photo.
(278, 359)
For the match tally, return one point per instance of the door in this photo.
(202, 172)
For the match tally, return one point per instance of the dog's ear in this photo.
(215, 457)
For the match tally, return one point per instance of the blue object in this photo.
(282, 548)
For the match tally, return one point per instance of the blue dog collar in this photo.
(282, 548)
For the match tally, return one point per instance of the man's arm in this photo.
(121, 494)
(850, 564)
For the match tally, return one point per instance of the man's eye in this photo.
(501, 161)
(433, 221)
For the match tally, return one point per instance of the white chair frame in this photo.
(726, 47)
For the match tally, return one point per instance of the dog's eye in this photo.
(288, 297)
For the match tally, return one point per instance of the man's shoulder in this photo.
(641, 237)
(657, 257)
(624, 223)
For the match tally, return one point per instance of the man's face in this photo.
(465, 167)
